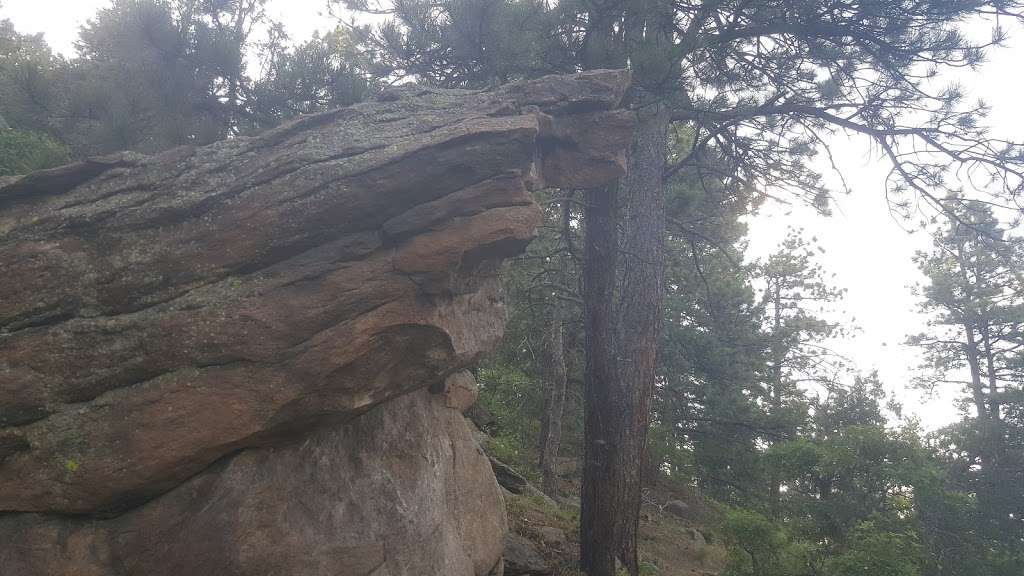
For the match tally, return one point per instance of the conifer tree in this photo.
(975, 296)
(761, 85)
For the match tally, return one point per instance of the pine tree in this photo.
(975, 295)
(794, 295)
(761, 85)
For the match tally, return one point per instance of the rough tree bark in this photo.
(554, 400)
(599, 505)
(554, 364)
(641, 292)
(624, 291)
(778, 356)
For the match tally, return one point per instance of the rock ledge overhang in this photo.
(158, 314)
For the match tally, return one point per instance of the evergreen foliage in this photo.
(22, 152)
(811, 466)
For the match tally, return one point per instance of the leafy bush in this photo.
(759, 547)
(877, 550)
(515, 399)
(22, 152)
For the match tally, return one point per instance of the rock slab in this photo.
(523, 559)
(401, 490)
(182, 334)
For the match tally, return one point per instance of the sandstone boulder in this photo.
(401, 490)
(461, 390)
(217, 360)
(523, 559)
(677, 508)
(552, 537)
(509, 478)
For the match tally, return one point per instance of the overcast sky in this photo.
(869, 251)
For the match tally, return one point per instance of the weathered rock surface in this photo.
(461, 390)
(552, 536)
(678, 508)
(403, 489)
(522, 558)
(508, 478)
(215, 360)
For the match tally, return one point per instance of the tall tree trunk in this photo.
(554, 401)
(623, 307)
(995, 476)
(778, 356)
(994, 408)
(554, 368)
(622, 345)
(974, 365)
(602, 418)
(599, 503)
(642, 290)
(977, 349)
(972, 351)
(243, 11)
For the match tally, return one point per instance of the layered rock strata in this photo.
(220, 360)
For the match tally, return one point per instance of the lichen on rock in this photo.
(200, 351)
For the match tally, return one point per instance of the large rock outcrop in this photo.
(220, 360)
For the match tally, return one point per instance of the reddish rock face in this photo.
(176, 331)
(402, 490)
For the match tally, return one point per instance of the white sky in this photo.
(868, 251)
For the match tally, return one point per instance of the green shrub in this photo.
(874, 549)
(758, 546)
(22, 152)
